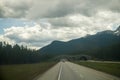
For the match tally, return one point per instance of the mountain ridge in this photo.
(82, 45)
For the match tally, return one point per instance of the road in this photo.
(71, 71)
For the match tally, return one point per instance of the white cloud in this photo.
(76, 26)
(36, 36)
(56, 19)
(3, 38)
(102, 20)
(33, 36)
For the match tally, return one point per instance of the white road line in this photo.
(60, 73)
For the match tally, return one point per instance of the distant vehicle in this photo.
(63, 60)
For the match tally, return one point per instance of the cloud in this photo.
(62, 28)
(51, 8)
(34, 36)
(63, 8)
(37, 36)
(14, 8)
(102, 20)
(55, 19)
(3, 38)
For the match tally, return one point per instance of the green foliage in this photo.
(111, 52)
(17, 54)
(111, 68)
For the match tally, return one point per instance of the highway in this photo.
(70, 71)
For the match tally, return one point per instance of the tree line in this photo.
(17, 54)
(21, 54)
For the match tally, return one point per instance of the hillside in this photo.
(104, 41)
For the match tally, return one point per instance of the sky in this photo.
(36, 23)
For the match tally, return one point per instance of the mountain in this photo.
(117, 31)
(83, 45)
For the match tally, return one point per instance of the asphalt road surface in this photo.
(71, 71)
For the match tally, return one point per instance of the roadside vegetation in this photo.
(110, 68)
(16, 54)
(24, 71)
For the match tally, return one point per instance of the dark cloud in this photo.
(14, 9)
(52, 8)
(1, 12)
(84, 7)
(61, 22)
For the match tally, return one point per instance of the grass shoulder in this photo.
(24, 71)
(110, 68)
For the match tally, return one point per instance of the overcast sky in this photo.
(36, 23)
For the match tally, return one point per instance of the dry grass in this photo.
(23, 71)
